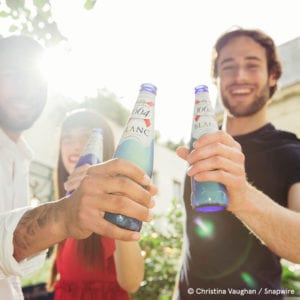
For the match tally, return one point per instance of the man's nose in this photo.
(241, 74)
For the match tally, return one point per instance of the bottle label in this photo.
(92, 153)
(206, 196)
(140, 125)
(136, 145)
(204, 117)
(94, 145)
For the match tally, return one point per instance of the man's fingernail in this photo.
(150, 216)
(147, 179)
(152, 203)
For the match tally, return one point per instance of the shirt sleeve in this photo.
(8, 265)
(293, 167)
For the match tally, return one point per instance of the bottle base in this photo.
(123, 221)
(209, 208)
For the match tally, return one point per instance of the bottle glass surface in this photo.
(93, 150)
(206, 196)
(137, 145)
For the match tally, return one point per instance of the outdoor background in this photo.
(98, 54)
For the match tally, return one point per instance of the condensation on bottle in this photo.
(137, 145)
(206, 196)
(93, 151)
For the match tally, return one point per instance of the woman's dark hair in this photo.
(273, 63)
(89, 249)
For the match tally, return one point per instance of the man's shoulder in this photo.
(278, 134)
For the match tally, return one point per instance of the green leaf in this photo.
(40, 3)
(15, 4)
(89, 4)
(3, 14)
(13, 28)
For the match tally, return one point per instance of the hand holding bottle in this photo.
(207, 196)
(82, 213)
(137, 145)
(75, 178)
(103, 190)
(217, 157)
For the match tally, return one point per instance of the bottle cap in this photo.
(97, 130)
(201, 88)
(148, 87)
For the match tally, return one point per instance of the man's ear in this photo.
(272, 80)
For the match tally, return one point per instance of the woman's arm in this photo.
(129, 265)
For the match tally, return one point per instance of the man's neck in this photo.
(242, 125)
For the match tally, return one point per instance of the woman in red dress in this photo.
(98, 267)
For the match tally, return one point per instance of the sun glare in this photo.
(67, 74)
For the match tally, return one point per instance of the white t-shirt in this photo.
(14, 193)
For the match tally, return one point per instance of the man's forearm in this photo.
(276, 226)
(80, 214)
(39, 229)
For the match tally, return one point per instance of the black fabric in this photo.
(37, 292)
(231, 257)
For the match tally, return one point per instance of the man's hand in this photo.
(104, 190)
(218, 157)
(75, 178)
(101, 190)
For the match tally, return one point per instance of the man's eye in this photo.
(228, 68)
(251, 67)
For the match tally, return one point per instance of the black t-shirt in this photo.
(221, 257)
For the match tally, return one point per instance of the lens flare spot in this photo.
(248, 279)
(204, 228)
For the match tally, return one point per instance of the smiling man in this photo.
(23, 95)
(260, 167)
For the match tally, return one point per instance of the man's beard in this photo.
(20, 121)
(14, 118)
(259, 102)
(17, 125)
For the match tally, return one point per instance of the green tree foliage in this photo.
(290, 279)
(173, 146)
(161, 244)
(107, 104)
(31, 18)
(34, 18)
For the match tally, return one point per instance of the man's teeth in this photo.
(241, 91)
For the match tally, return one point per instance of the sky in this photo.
(121, 44)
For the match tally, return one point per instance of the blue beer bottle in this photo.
(93, 150)
(206, 196)
(137, 145)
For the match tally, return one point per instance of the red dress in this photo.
(79, 283)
